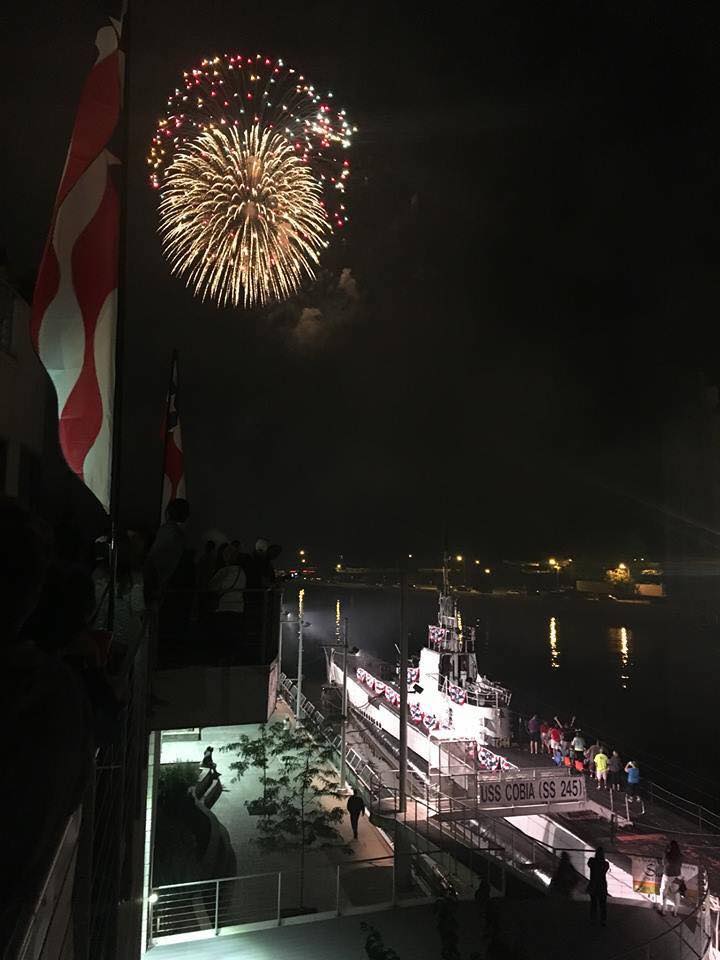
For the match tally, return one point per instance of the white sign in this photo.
(521, 791)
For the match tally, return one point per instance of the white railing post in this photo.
(279, 898)
(217, 906)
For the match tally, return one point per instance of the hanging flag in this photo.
(74, 311)
(173, 461)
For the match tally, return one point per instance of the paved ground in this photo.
(546, 929)
(365, 864)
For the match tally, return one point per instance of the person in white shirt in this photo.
(227, 588)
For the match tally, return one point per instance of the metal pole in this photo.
(217, 905)
(279, 898)
(298, 708)
(343, 722)
(402, 796)
(280, 639)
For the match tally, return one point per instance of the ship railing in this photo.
(492, 697)
(706, 819)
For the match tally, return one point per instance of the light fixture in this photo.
(417, 688)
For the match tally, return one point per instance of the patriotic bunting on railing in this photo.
(493, 761)
(457, 694)
(428, 720)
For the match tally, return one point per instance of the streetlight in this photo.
(301, 624)
(343, 719)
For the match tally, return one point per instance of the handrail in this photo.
(646, 944)
(268, 873)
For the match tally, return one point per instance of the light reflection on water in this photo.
(582, 661)
(554, 649)
(620, 637)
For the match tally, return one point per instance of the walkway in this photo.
(365, 865)
(549, 928)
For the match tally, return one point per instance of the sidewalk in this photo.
(365, 864)
(547, 929)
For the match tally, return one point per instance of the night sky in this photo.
(534, 245)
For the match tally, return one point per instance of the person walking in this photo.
(356, 809)
(615, 770)
(670, 885)
(533, 726)
(597, 886)
(601, 768)
(633, 779)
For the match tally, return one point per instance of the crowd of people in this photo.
(566, 745)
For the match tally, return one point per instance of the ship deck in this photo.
(652, 824)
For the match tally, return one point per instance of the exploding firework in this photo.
(251, 167)
(241, 216)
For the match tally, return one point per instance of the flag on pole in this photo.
(74, 311)
(174, 460)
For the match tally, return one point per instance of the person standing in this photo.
(545, 737)
(228, 586)
(615, 769)
(533, 727)
(597, 886)
(166, 552)
(356, 809)
(578, 748)
(590, 754)
(671, 877)
(633, 779)
(555, 736)
(565, 877)
(601, 768)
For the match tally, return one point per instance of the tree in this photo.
(298, 778)
(255, 752)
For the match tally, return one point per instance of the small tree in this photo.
(298, 779)
(255, 752)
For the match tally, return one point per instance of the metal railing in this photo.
(706, 819)
(191, 633)
(209, 907)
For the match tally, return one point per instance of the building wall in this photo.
(23, 393)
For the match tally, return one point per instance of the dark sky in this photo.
(534, 239)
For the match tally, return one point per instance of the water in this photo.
(643, 678)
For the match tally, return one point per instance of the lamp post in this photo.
(300, 625)
(343, 722)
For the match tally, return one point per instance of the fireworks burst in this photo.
(241, 216)
(251, 167)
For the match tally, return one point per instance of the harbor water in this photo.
(644, 679)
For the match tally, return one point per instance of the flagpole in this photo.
(173, 366)
(120, 318)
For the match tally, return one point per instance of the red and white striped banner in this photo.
(74, 312)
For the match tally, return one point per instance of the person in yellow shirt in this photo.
(601, 768)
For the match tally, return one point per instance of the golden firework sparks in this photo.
(241, 216)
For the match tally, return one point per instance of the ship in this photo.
(449, 699)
